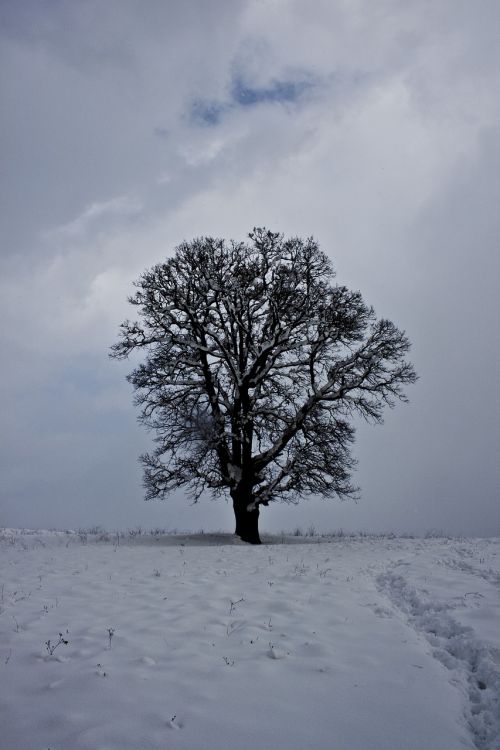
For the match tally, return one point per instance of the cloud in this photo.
(126, 129)
(97, 214)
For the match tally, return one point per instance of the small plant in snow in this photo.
(300, 569)
(228, 662)
(233, 605)
(111, 632)
(51, 647)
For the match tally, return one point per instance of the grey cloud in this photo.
(374, 128)
(96, 214)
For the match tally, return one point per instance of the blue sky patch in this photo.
(210, 112)
(206, 112)
(279, 91)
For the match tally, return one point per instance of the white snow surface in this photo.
(201, 642)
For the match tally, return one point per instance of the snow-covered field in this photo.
(203, 643)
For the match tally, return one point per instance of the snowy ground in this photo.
(200, 643)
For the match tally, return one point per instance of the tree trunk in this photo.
(247, 522)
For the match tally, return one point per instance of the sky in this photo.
(128, 127)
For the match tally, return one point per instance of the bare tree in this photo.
(255, 366)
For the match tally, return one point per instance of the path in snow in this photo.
(457, 609)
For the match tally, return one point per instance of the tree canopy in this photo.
(255, 365)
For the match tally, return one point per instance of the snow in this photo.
(362, 643)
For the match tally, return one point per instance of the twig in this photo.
(52, 647)
(233, 605)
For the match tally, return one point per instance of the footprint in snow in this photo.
(147, 661)
(175, 723)
(275, 652)
(54, 657)
(382, 612)
(56, 684)
(310, 650)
